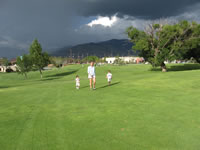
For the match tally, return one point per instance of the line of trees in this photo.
(35, 60)
(60, 61)
(161, 42)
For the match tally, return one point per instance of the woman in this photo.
(92, 75)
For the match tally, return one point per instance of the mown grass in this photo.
(141, 110)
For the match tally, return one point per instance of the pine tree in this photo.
(39, 59)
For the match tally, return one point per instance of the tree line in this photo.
(60, 61)
(162, 42)
(37, 60)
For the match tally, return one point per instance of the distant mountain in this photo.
(113, 47)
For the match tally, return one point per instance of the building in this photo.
(2, 69)
(12, 65)
(12, 68)
(13, 61)
(110, 60)
(137, 60)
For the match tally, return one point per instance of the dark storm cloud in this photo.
(141, 8)
(48, 20)
(58, 23)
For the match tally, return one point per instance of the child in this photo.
(109, 77)
(77, 82)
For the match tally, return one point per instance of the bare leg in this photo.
(94, 82)
(90, 83)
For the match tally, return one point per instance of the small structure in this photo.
(13, 67)
(128, 59)
(13, 61)
(51, 65)
(2, 69)
(110, 60)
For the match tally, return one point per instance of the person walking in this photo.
(109, 77)
(92, 76)
(77, 82)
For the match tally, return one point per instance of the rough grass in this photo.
(141, 110)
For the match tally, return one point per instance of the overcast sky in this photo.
(59, 23)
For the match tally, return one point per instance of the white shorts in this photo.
(77, 84)
(109, 79)
(91, 76)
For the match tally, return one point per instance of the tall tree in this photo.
(161, 42)
(192, 46)
(39, 59)
(24, 65)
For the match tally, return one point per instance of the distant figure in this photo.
(109, 77)
(77, 82)
(92, 75)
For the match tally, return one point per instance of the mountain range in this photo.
(114, 47)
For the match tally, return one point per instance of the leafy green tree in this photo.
(24, 65)
(104, 60)
(90, 59)
(57, 61)
(119, 61)
(192, 46)
(39, 59)
(193, 53)
(161, 42)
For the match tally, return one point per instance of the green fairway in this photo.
(141, 110)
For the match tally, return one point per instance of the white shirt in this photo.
(77, 81)
(91, 70)
(109, 75)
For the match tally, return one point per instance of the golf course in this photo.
(142, 109)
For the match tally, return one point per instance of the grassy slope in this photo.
(141, 110)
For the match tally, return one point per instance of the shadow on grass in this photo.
(185, 67)
(58, 75)
(10, 86)
(4, 87)
(85, 87)
(112, 84)
(49, 79)
(181, 67)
